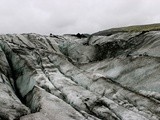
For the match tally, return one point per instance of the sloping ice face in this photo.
(114, 77)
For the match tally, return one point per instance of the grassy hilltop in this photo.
(135, 28)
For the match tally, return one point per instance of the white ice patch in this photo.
(97, 75)
(113, 73)
(132, 116)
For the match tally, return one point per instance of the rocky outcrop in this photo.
(113, 77)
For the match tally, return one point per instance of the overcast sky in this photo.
(73, 16)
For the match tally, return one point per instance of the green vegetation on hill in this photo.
(136, 28)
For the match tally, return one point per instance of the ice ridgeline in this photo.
(113, 77)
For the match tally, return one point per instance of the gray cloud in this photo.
(72, 16)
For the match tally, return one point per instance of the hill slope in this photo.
(135, 28)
